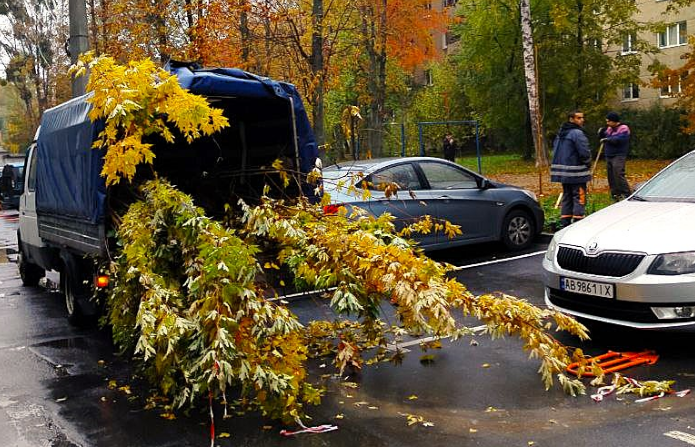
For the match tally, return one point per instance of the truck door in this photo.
(28, 225)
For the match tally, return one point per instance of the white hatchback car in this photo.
(632, 263)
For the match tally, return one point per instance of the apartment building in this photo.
(445, 43)
(672, 44)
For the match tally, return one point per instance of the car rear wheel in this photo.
(518, 230)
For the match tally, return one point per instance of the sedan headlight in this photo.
(552, 248)
(673, 264)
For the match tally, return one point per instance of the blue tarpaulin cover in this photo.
(68, 170)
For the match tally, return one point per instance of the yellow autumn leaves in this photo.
(137, 100)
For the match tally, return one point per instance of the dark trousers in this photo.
(573, 203)
(615, 167)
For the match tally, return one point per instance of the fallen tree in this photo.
(189, 302)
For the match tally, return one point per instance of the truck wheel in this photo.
(28, 272)
(517, 230)
(76, 295)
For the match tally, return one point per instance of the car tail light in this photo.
(101, 281)
(331, 209)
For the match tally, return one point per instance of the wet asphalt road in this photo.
(54, 383)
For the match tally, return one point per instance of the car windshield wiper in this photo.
(639, 199)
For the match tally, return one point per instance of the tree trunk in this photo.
(245, 33)
(374, 32)
(93, 27)
(161, 32)
(531, 83)
(580, 45)
(318, 72)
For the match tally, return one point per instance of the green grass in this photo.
(499, 164)
(595, 201)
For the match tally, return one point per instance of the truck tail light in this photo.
(101, 281)
(331, 209)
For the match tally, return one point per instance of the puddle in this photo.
(64, 343)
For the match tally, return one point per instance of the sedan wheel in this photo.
(517, 230)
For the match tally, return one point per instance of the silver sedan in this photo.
(485, 210)
(632, 263)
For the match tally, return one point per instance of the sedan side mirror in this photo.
(484, 183)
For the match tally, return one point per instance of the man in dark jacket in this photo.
(616, 144)
(571, 167)
(449, 147)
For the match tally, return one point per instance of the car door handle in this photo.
(444, 198)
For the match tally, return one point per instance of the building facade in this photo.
(672, 43)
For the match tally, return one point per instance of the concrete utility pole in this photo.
(79, 42)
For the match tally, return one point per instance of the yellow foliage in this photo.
(137, 100)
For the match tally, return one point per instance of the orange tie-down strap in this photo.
(613, 361)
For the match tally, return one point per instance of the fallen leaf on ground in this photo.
(168, 416)
(412, 397)
(340, 416)
(224, 434)
(485, 365)
(427, 359)
(61, 399)
(125, 389)
(473, 430)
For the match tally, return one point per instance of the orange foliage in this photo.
(409, 33)
(685, 77)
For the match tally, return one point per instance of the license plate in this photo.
(587, 287)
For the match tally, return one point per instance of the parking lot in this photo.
(60, 386)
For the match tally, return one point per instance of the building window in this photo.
(629, 41)
(675, 34)
(631, 92)
(673, 87)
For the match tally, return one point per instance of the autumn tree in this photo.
(576, 62)
(34, 60)
(390, 30)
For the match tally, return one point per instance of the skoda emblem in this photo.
(592, 248)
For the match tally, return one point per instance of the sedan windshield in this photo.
(675, 183)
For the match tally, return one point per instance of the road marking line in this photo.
(455, 269)
(681, 436)
(497, 261)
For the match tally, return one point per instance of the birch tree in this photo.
(532, 83)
